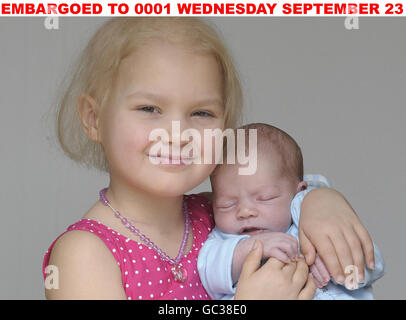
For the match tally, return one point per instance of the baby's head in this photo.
(141, 74)
(250, 204)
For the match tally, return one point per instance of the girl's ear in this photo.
(88, 113)
(302, 185)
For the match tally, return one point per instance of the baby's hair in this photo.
(97, 68)
(276, 142)
(273, 140)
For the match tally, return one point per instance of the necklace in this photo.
(179, 273)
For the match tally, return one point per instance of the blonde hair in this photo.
(96, 70)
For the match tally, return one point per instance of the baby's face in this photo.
(251, 204)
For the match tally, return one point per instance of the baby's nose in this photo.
(247, 212)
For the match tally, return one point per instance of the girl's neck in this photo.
(143, 207)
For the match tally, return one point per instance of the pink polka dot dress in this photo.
(144, 274)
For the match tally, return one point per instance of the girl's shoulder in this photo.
(82, 261)
(200, 208)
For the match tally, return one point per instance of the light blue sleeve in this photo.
(214, 264)
(317, 181)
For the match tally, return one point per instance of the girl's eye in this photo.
(203, 114)
(149, 109)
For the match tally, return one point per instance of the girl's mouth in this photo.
(170, 160)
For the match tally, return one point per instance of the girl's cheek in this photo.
(130, 137)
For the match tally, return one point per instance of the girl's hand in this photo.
(274, 280)
(330, 226)
(281, 246)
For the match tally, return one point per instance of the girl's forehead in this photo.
(166, 67)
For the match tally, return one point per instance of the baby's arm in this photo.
(222, 256)
(214, 264)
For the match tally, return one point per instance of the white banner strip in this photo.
(203, 8)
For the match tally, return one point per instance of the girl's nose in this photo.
(247, 212)
(175, 128)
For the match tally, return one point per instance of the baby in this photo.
(266, 206)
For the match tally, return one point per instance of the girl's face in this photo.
(156, 85)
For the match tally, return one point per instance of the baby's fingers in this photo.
(280, 255)
(321, 268)
(317, 276)
(289, 246)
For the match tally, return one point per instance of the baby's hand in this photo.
(278, 245)
(320, 272)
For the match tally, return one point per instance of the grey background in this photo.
(340, 93)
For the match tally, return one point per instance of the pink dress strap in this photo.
(144, 274)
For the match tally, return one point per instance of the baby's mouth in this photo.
(251, 230)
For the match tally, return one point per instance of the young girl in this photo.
(143, 237)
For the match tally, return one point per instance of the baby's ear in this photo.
(302, 185)
(87, 109)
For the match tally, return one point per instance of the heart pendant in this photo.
(179, 273)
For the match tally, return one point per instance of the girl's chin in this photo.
(169, 187)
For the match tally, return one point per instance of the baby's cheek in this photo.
(223, 223)
(281, 220)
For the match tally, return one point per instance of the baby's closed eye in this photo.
(267, 197)
(225, 205)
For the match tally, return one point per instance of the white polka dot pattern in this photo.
(144, 274)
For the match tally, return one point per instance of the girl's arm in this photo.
(330, 227)
(86, 269)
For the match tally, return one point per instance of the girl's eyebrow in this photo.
(147, 95)
(209, 102)
(159, 98)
